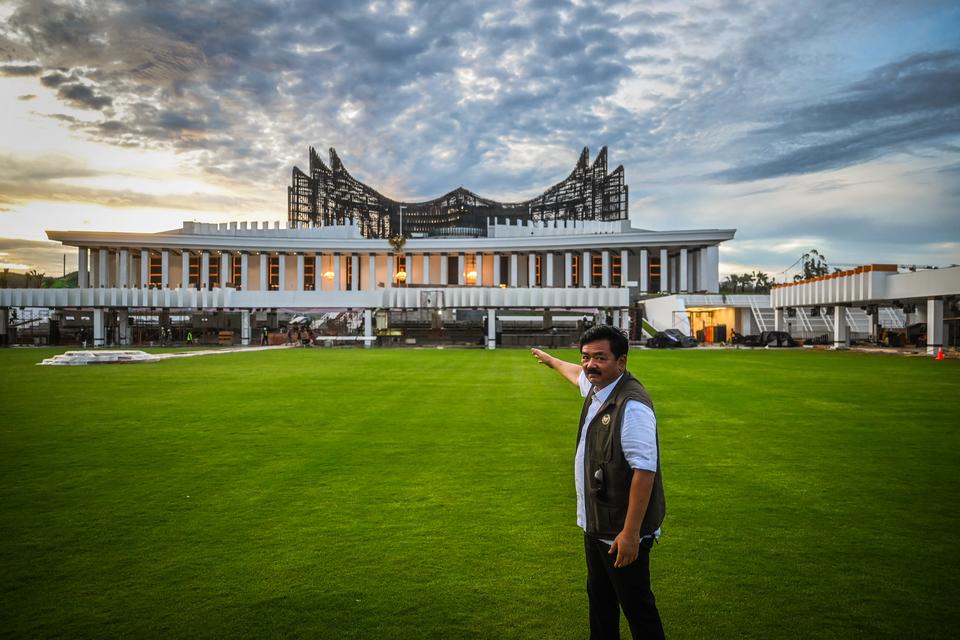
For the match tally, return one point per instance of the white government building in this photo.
(571, 251)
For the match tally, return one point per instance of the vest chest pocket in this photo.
(601, 436)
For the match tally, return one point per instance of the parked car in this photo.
(670, 339)
(771, 339)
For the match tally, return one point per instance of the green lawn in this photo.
(429, 494)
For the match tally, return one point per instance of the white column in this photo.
(123, 327)
(710, 269)
(496, 270)
(664, 271)
(367, 327)
(337, 266)
(426, 269)
(585, 268)
(549, 278)
(624, 267)
(935, 332)
(841, 333)
(371, 270)
(103, 279)
(165, 269)
(144, 268)
(778, 319)
(491, 329)
(226, 269)
(98, 333)
(123, 267)
(245, 326)
(461, 267)
(444, 263)
(605, 267)
(83, 277)
(205, 269)
(299, 272)
(567, 268)
(479, 262)
(644, 271)
(684, 285)
(185, 269)
(355, 272)
(245, 271)
(532, 270)
(95, 268)
(513, 270)
(263, 273)
(282, 268)
(625, 321)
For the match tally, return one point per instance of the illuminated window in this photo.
(470, 269)
(615, 274)
(575, 270)
(539, 278)
(596, 270)
(654, 265)
(274, 270)
(309, 273)
(349, 262)
(156, 270)
(214, 271)
(194, 278)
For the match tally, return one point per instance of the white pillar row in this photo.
(282, 268)
(426, 268)
(144, 268)
(605, 261)
(371, 270)
(103, 279)
(778, 319)
(300, 283)
(263, 273)
(615, 317)
(461, 267)
(83, 277)
(549, 278)
(98, 328)
(567, 268)
(841, 333)
(123, 268)
(624, 267)
(491, 328)
(367, 327)
(245, 271)
(514, 268)
(444, 263)
(684, 284)
(185, 269)
(935, 332)
(644, 271)
(205, 269)
(245, 327)
(337, 262)
(226, 271)
(479, 267)
(532, 270)
(496, 270)
(123, 326)
(664, 271)
(585, 270)
(165, 268)
(355, 272)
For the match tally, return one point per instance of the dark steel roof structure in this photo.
(331, 196)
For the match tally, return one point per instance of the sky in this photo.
(824, 125)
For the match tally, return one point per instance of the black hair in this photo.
(618, 339)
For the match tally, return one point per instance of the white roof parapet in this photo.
(869, 284)
(557, 228)
(346, 231)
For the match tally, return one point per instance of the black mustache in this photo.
(593, 371)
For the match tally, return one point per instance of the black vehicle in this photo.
(771, 339)
(670, 339)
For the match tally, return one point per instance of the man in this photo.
(620, 501)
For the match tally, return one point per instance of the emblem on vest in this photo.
(605, 419)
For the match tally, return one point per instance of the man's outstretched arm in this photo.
(568, 370)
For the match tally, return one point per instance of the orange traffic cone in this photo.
(940, 353)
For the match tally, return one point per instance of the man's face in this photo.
(599, 364)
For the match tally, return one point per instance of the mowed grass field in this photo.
(429, 494)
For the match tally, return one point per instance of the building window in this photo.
(470, 269)
(237, 271)
(214, 271)
(539, 278)
(596, 270)
(309, 273)
(273, 284)
(194, 270)
(349, 263)
(156, 270)
(575, 270)
(615, 270)
(453, 269)
(655, 274)
(504, 270)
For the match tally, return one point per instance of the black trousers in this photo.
(610, 590)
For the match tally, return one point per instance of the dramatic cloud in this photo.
(697, 102)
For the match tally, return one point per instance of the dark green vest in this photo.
(607, 475)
